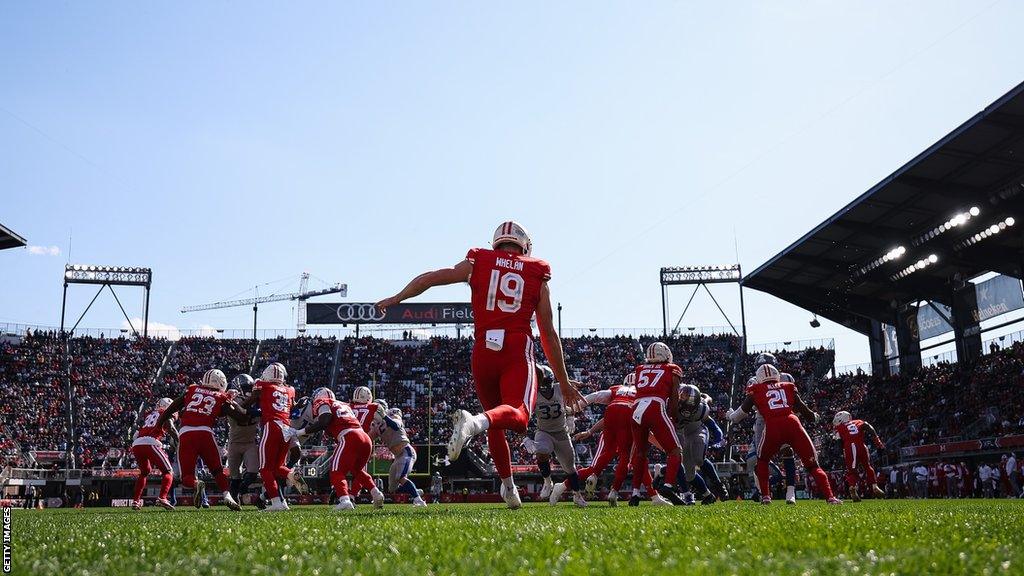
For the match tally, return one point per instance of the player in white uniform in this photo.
(389, 430)
(697, 430)
(243, 447)
(553, 437)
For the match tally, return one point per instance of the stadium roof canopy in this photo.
(8, 239)
(840, 269)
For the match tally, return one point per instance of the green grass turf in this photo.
(873, 537)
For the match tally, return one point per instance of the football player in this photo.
(337, 421)
(275, 398)
(853, 434)
(788, 459)
(508, 287)
(200, 406)
(616, 429)
(148, 449)
(389, 427)
(657, 396)
(554, 428)
(698, 431)
(243, 449)
(366, 410)
(777, 401)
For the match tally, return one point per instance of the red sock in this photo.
(821, 479)
(140, 485)
(269, 482)
(165, 485)
(498, 446)
(674, 460)
(762, 479)
(340, 483)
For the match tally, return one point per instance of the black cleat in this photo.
(709, 499)
(634, 500)
(668, 492)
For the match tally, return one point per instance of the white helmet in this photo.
(766, 373)
(514, 233)
(215, 379)
(658, 352)
(163, 403)
(630, 379)
(274, 373)
(326, 393)
(362, 395)
(842, 417)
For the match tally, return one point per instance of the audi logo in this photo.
(359, 312)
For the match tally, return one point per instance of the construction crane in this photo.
(302, 295)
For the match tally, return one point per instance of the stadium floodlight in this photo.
(700, 274)
(116, 275)
(889, 256)
(955, 221)
(915, 267)
(985, 233)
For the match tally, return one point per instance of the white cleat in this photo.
(344, 505)
(591, 484)
(657, 500)
(556, 493)
(277, 505)
(791, 495)
(511, 498)
(296, 481)
(462, 431)
(419, 503)
(164, 503)
(579, 500)
(378, 498)
(229, 501)
(613, 498)
(545, 491)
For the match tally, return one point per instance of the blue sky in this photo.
(227, 145)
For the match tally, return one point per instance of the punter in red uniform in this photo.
(776, 401)
(337, 421)
(616, 428)
(148, 449)
(508, 287)
(200, 406)
(275, 399)
(854, 433)
(657, 386)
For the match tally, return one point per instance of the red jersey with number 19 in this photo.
(275, 401)
(656, 380)
(506, 289)
(202, 406)
(773, 399)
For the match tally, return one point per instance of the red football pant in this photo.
(616, 440)
(506, 384)
(788, 430)
(350, 457)
(196, 444)
(857, 455)
(150, 457)
(273, 454)
(655, 422)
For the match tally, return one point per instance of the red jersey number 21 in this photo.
(510, 284)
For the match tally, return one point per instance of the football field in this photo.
(872, 537)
